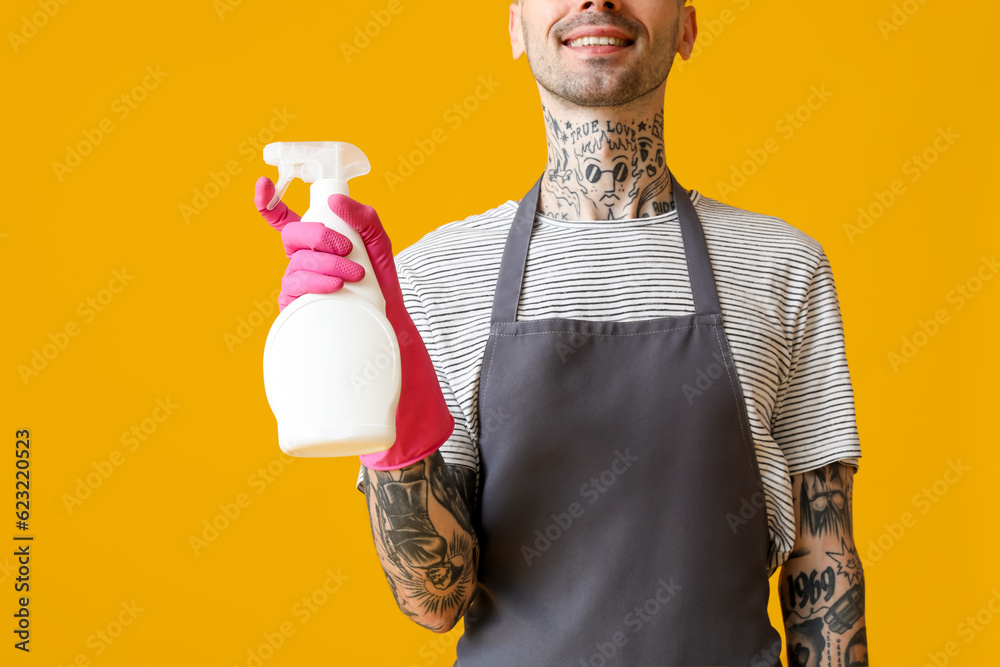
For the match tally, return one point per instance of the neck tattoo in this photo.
(603, 169)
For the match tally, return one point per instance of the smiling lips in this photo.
(594, 40)
(598, 43)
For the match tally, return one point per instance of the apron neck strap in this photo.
(515, 255)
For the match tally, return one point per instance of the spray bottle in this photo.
(331, 361)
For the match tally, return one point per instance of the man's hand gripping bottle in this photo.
(331, 361)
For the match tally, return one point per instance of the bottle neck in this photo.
(320, 190)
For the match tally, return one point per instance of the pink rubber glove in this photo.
(317, 266)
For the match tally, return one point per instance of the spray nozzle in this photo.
(313, 160)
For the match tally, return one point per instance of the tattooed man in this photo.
(625, 404)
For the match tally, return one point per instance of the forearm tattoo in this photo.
(823, 501)
(424, 536)
(822, 583)
(605, 170)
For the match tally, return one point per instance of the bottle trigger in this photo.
(279, 188)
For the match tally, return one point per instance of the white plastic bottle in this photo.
(331, 361)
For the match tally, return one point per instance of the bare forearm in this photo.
(424, 537)
(822, 584)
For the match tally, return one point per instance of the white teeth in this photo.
(594, 41)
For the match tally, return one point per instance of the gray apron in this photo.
(616, 468)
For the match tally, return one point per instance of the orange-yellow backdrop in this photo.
(132, 146)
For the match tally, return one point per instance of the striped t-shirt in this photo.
(779, 305)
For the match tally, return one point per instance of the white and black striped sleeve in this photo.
(814, 420)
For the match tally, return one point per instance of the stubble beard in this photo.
(605, 84)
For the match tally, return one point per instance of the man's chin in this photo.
(601, 99)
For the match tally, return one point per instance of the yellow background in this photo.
(164, 335)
